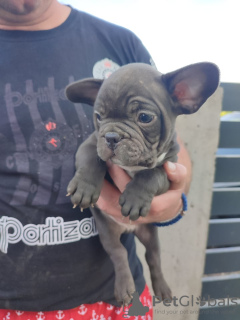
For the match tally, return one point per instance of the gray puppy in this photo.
(134, 115)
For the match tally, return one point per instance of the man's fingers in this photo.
(168, 204)
(109, 197)
(119, 176)
(108, 200)
(109, 193)
(177, 174)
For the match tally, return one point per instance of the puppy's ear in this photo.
(84, 91)
(191, 86)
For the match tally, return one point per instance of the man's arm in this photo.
(165, 206)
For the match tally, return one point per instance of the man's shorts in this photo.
(96, 311)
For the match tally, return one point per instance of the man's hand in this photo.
(164, 207)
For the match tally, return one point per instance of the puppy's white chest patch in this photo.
(161, 158)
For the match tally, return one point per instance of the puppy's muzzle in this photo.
(112, 139)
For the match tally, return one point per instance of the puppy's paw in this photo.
(162, 290)
(134, 204)
(84, 190)
(124, 290)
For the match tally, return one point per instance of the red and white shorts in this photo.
(96, 311)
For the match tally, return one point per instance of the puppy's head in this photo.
(136, 107)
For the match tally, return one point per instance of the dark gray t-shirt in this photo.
(50, 255)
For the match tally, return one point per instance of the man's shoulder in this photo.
(101, 24)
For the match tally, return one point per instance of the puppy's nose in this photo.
(112, 138)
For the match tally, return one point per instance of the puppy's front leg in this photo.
(110, 232)
(138, 195)
(85, 187)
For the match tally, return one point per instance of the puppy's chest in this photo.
(126, 227)
(131, 171)
(129, 228)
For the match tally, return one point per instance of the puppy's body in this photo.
(134, 116)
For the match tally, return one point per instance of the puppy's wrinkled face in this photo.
(129, 119)
(136, 107)
(129, 140)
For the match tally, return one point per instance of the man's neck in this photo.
(43, 18)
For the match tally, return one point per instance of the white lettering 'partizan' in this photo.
(54, 231)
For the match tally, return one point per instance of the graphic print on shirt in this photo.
(104, 68)
(53, 232)
(52, 143)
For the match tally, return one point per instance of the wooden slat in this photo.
(228, 153)
(218, 287)
(220, 313)
(222, 260)
(229, 134)
(224, 232)
(227, 169)
(231, 96)
(225, 203)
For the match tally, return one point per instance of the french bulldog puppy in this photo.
(134, 116)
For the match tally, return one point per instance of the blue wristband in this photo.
(177, 218)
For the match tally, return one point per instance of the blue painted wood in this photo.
(224, 233)
(220, 260)
(228, 169)
(222, 269)
(229, 134)
(231, 96)
(220, 313)
(226, 203)
(221, 286)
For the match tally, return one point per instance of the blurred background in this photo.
(177, 33)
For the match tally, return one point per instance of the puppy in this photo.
(134, 116)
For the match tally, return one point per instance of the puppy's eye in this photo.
(98, 116)
(145, 118)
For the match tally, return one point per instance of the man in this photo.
(51, 258)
